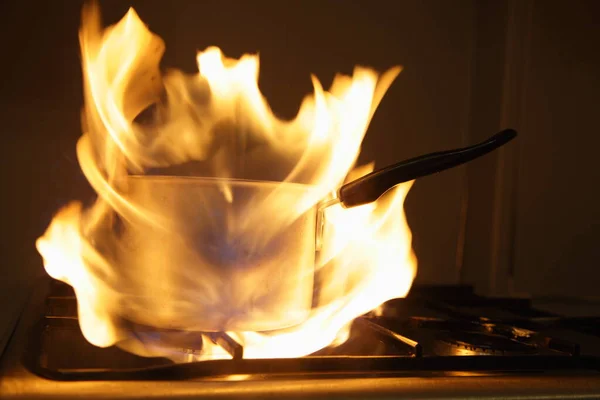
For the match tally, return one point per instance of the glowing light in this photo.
(128, 255)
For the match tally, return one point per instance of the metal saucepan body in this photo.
(212, 270)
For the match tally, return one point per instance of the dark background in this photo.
(522, 220)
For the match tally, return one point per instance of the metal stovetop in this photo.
(440, 342)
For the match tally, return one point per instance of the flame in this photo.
(163, 253)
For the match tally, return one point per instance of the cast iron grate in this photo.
(391, 344)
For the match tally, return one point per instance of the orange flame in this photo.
(232, 251)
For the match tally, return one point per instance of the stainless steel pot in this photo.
(212, 270)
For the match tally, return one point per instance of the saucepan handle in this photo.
(370, 187)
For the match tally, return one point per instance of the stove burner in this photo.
(406, 339)
(477, 343)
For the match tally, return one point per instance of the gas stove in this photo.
(438, 342)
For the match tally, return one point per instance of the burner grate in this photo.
(393, 344)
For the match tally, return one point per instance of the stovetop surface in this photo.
(436, 333)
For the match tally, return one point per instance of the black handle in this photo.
(370, 187)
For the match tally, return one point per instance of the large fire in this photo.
(205, 216)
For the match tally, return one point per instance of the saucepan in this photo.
(214, 271)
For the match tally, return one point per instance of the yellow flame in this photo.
(206, 210)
